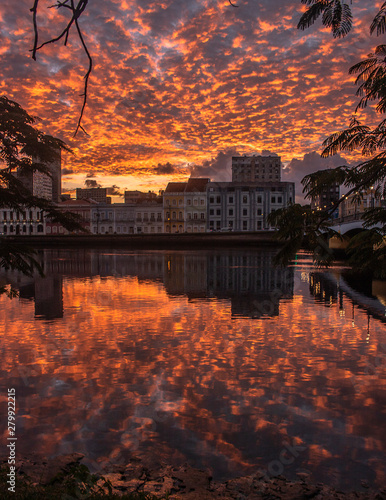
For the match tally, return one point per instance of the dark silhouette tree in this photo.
(367, 250)
(24, 150)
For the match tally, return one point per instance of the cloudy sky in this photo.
(179, 86)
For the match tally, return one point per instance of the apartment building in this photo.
(256, 168)
(244, 207)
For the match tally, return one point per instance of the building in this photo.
(98, 194)
(256, 168)
(47, 186)
(117, 218)
(195, 205)
(327, 198)
(244, 207)
(354, 205)
(133, 197)
(173, 205)
(29, 221)
(81, 207)
(149, 217)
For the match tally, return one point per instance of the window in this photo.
(280, 199)
(259, 212)
(218, 199)
(245, 199)
(195, 201)
(202, 201)
(245, 225)
(211, 199)
(189, 201)
(230, 200)
(259, 224)
(195, 216)
(174, 203)
(259, 199)
(245, 211)
(231, 212)
(273, 199)
(218, 212)
(180, 201)
(211, 211)
(202, 216)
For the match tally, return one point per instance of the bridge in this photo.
(349, 223)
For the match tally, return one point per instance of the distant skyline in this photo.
(178, 87)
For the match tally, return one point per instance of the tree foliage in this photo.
(24, 149)
(367, 250)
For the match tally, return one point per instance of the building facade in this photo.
(97, 194)
(245, 207)
(353, 206)
(195, 201)
(29, 221)
(173, 205)
(149, 217)
(256, 168)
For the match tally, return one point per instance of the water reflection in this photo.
(215, 358)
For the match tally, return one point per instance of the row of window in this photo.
(246, 226)
(22, 229)
(22, 216)
(231, 212)
(245, 199)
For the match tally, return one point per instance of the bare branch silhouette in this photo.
(76, 12)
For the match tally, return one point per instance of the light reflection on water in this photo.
(213, 358)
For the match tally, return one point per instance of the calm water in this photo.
(217, 359)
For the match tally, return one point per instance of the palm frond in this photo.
(379, 21)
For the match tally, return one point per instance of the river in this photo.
(214, 358)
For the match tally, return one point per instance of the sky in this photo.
(178, 87)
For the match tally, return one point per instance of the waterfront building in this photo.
(81, 207)
(195, 205)
(149, 216)
(29, 221)
(98, 194)
(116, 218)
(256, 168)
(244, 207)
(173, 206)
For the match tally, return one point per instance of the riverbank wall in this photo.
(151, 241)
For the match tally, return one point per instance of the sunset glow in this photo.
(182, 82)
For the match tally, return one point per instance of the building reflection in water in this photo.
(215, 358)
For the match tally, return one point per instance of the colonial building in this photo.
(149, 217)
(28, 221)
(80, 207)
(117, 218)
(256, 168)
(195, 205)
(173, 205)
(244, 207)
